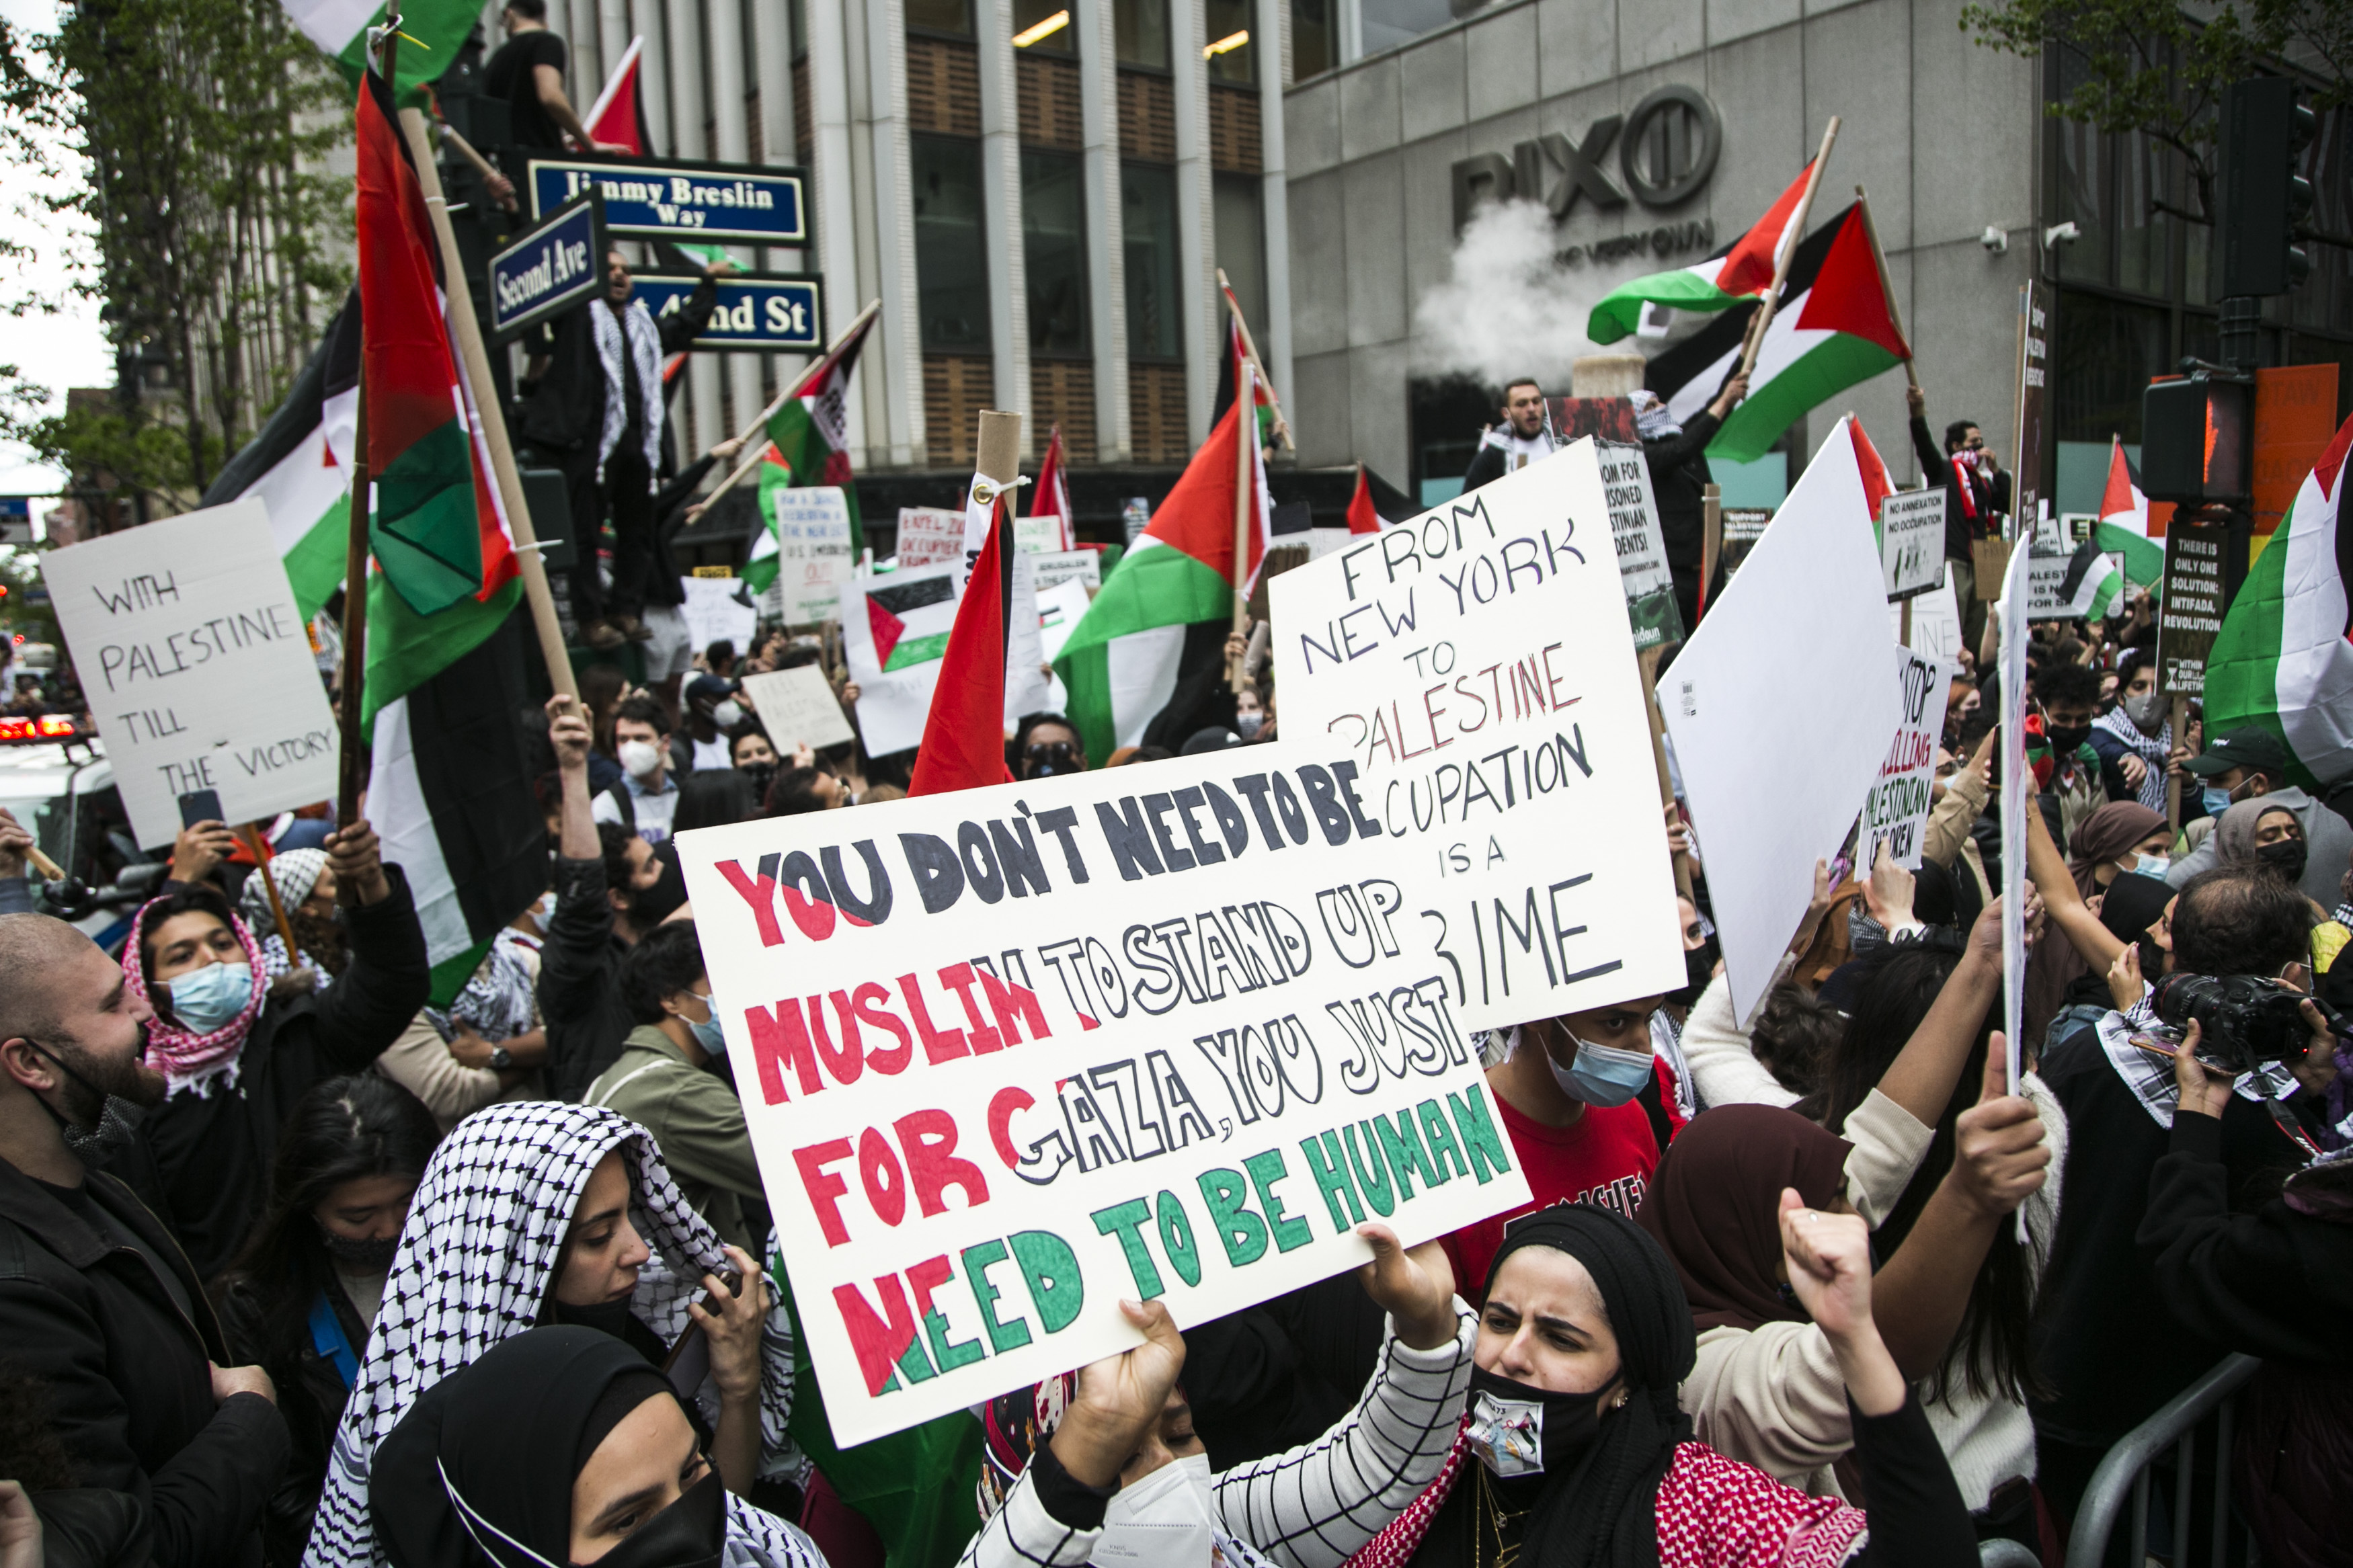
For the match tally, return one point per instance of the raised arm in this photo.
(2097, 945)
(1921, 1077)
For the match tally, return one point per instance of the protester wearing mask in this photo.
(1675, 451)
(541, 1213)
(646, 798)
(711, 712)
(2262, 833)
(306, 892)
(658, 1083)
(2134, 738)
(2251, 764)
(236, 1061)
(2058, 744)
(98, 1295)
(1045, 746)
(489, 1043)
(560, 1446)
(304, 1291)
(2120, 837)
(1975, 493)
(611, 890)
(1103, 1466)
(1252, 720)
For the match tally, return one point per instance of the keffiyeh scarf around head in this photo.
(642, 375)
(474, 1265)
(190, 1062)
(1651, 420)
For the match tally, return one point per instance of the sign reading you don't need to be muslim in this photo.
(1013, 1054)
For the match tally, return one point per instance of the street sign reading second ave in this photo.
(670, 199)
(780, 311)
(550, 269)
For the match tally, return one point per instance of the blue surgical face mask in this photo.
(1601, 1074)
(2217, 800)
(204, 999)
(708, 1034)
(2155, 865)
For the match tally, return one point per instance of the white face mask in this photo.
(642, 759)
(728, 714)
(1164, 1520)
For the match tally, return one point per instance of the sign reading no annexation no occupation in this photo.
(775, 310)
(670, 198)
(550, 269)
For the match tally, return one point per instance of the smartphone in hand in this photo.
(201, 806)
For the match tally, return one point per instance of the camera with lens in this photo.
(2244, 1020)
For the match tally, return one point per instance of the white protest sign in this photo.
(1321, 541)
(2012, 800)
(197, 667)
(2046, 583)
(1935, 622)
(1476, 665)
(1641, 546)
(1059, 611)
(1038, 535)
(812, 550)
(1011, 1053)
(1056, 567)
(715, 610)
(1912, 542)
(1895, 812)
(894, 632)
(929, 535)
(1810, 597)
(797, 707)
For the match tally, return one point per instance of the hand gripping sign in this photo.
(1010, 1054)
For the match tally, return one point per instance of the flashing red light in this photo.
(49, 727)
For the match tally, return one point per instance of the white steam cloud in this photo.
(1508, 308)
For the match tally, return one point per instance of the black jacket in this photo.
(310, 1396)
(1678, 473)
(580, 981)
(203, 1163)
(568, 407)
(1937, 464)
(131, 1394)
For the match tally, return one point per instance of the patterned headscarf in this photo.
(500, 1000)
(296, 872)
(1014, 1426)
(474, 1265)
(190, 1062)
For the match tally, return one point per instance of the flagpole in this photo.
(1791, 237)
(352, 757)
(1886, 286)
(1250, 347)
(1245, 449)
(468, 332)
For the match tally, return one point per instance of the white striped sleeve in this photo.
(1023, 1533)
(1317, 1505)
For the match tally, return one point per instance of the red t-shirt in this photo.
(1604, 1157)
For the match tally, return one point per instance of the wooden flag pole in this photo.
(251, 834)
(735, 476)
(1245, 449)
(1711, 541)
(468, 333)
(1887, 287)
(1250, 347)
(2180, 718)
(1647, 662)
(352, 760)
(1795, 236)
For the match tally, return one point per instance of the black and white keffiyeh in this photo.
(2153, 750)
(2150, 1076)
(643, 375)
(474, 1265)
(501, 999)
(1653, 421)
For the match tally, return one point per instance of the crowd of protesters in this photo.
(297, 1265)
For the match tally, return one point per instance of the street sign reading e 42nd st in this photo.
(550, 269)
(670, 199)
(782, 312)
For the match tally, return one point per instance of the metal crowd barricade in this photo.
(2122, 1478)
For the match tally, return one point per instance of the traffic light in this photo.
(2263, 199)
(2194, 442)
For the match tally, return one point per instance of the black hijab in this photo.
(510, 1433)
(1605, 1511)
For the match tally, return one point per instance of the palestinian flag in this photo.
(433, 31)
(1741, 270)
(449, 789)
(963, 737)
(2123, 527)
(1233, 367)
(1121, 663)
(2282, 659)
(618, 118)
(909, 617)
(301, 464)
(1834, 329)
(1051, 496)
(760, 567)
(810, 433)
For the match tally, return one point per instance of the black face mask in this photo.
(2287, 856)
(648, 906)
(1699, 969)
(690, 1533)
(360, 1254)
(1517, 1429)
(2066, 739)
(118, 1117)
(1050, 759)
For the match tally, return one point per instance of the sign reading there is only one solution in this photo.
(550, 269)
(765, 311)
(670, 199)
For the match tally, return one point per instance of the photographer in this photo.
(2108, 1341)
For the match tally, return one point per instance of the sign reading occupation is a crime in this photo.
(550, 269)
(768, 312)
(674, 199)
(1476, 666)
(1012, 1054)
(198, 665)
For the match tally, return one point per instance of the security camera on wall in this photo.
(1996, 240)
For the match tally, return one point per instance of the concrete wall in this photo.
(1942, 132)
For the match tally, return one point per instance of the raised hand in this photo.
(1120, 1398)
(1998, 1154)
(1415, 1287)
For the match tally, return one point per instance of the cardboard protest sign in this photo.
(812, 552)
(1912, 542)
(797, 707)
(2190, 613)
(1809, 597)
(717, 607)
(1895, 812)
(1477, 667)
(929, 535)
(1009, 1055)
(894, 631)
(197, 667)
(1641, 545)
(1935, 622)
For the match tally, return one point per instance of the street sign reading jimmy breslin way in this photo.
(770, 311)
(670, 198)
(550, 268)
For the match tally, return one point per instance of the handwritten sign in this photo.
(797, 707)
(929, 535)
(717, 607)
(1895, 812)
(1012, 1054)
(812, 552)
(197, 667)
(1477, 667)
(1641, 545)
(1056, 567)
(1912, 542)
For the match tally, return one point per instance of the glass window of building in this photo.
(1140, 32)
(1313, 47)
(1054, 251)
(1044, 27)
(1388, 23)
(941, 16)
(951, 253)
(1227, 25)
(1147, 195)
(1241, 242)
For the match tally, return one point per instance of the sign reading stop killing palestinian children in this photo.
(1010, 1054)
(1895, 812)
(197, 667)
(1477, 667)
